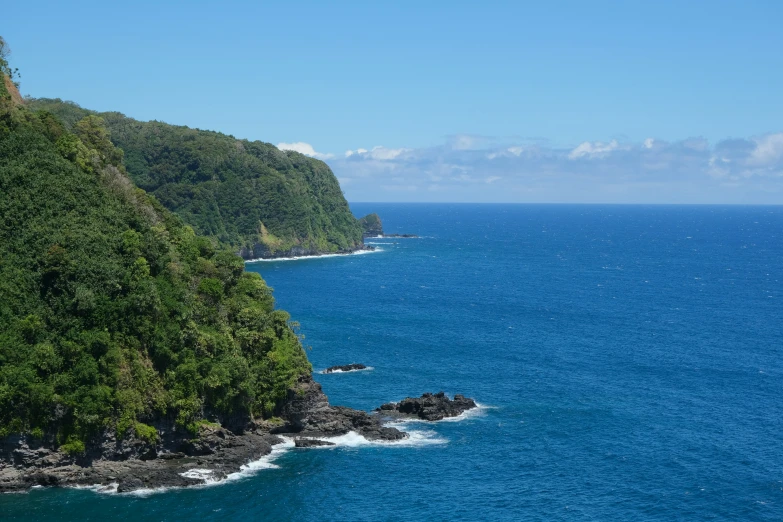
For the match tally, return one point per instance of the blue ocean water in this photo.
(629, 360)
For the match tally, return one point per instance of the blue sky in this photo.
(452, 101)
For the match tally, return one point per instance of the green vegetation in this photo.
(113, 312)
(5, 68)
(371, 225)
(248, 195)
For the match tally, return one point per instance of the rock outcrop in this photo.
(371, 225)
(308, 413)
(354, 367)
(431, 407)
(311, 443)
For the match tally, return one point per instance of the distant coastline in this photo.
(285, 256)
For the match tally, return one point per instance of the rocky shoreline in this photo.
(261, 254)
(178, 460)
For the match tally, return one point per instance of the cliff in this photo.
(249, 195)
(115, 317)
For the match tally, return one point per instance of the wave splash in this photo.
(415, 438)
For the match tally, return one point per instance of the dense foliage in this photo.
(244, 193)
(113, 312)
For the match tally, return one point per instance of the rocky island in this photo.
(430, 407)
(372, 227)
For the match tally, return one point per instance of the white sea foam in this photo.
(99, 488)
(367, 369)
(321, 256)
(265, 462)
(355, 440)
(197, 473)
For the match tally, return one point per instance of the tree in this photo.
(5, 68)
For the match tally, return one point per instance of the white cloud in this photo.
(516, 151)
(382, 153)
(304, 148)
(349, 153)
(769, 150)
(650, 170)
(466, 141)
(377, 153)
(593, 149)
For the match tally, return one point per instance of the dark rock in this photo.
(345, 368)
(311, 443)
(431, 407)
(170, 456)
(130, 484)
(307, 411)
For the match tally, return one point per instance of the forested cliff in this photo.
(249, 195)
(114, 314)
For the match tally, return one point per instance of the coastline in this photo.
(368, 249)
(216, 455)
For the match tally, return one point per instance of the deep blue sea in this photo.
(629, 361)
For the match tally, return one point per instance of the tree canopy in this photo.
(246, 194)
(114, 312)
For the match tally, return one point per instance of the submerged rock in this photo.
(346, 368)
(430, 406)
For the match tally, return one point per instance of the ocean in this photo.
(628, 361)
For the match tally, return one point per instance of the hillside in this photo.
(249, 195)
(114, 314)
